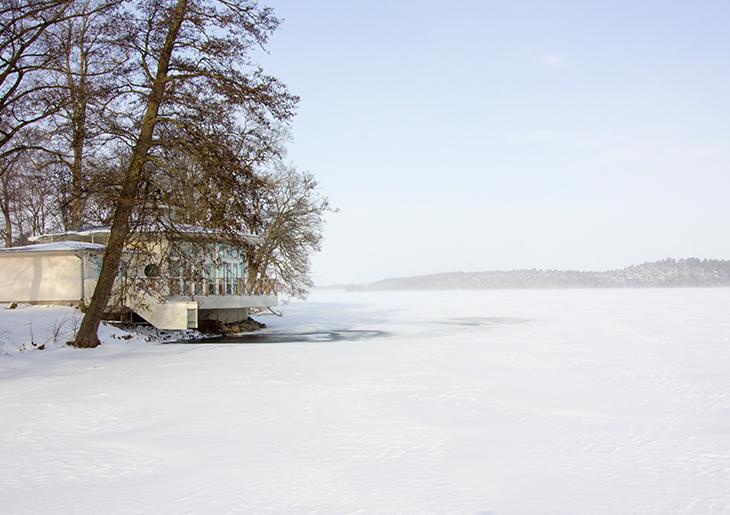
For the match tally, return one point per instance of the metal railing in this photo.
(179, 286)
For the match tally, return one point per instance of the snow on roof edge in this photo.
(182, 228)
(81, 232)
(59, 246)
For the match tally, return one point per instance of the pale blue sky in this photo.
(475, 135)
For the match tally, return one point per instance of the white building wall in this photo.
(40, 278)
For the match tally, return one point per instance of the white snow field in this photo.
(493, 402)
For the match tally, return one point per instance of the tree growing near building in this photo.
(134, 114)
(51, 79)
(290, 216)
(27, 197)
(28, 93)
(193, 59)
(90, 71)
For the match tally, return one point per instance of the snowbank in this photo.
(49, 328)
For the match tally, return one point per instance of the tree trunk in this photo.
(6, 208)
(77, 178)
(78, 128)
(77, 220)
(79, 104)
(8, 228)
(87, 334)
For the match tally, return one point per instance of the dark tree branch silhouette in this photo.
(192, 57)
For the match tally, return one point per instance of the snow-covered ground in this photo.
(499, 402)
(49, 328)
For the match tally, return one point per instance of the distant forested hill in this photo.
(666, 273)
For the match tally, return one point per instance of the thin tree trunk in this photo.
(79, 103)
(77, 177)
(6, 209)
(87, 334)
(8, 228)
(76, 208)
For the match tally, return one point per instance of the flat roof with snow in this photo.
(90, 232)
(55, 247)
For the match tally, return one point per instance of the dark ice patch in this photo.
(297, 337)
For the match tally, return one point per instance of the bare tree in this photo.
(290, 217)
(90, 71)
(9, 195)
(37, 213)
(27, 197)
(50, 52)
(192, 58)
(26, 90)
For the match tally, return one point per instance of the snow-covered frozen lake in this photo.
(495, 402)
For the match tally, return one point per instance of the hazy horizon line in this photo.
(504, 270)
